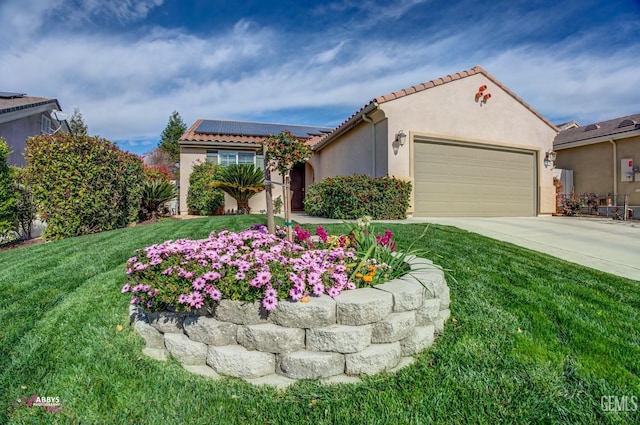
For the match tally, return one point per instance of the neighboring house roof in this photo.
(13, 102)
(567, 125)
(598, 132)
(222, 132)
(373, 104)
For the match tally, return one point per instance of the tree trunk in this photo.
(271, 225)
(287, 206)
(243, 207)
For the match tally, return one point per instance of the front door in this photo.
(297, 187)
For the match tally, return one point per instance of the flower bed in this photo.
(252, 285)
(361, 332)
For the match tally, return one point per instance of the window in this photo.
(45, 125)
(234, 157)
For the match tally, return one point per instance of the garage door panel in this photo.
(471, 180)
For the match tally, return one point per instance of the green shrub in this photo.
(350, 197)
(83, 184)
(202, 198)
(7, 195)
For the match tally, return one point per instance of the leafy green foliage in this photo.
(26, 209)
(77, 125)
(171, 134)
(284, 151)
(350, 197)
(203, 198)
(241, 182)
(83, 184)
(7, 195)
(155, 193)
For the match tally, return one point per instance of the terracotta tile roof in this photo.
(425, 86)
(246, 132)
(10, 104)
(597, 131)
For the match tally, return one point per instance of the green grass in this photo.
(60, 304)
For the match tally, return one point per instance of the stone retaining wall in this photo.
(360, 332)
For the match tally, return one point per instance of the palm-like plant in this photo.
(155, 193)
(241, 182)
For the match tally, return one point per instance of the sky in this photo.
(128, 64)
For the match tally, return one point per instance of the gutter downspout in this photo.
(615, 172)
(365, 118)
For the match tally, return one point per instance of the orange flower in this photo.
(368, 278)
(371, 268)
(304, 299)
(358, 275)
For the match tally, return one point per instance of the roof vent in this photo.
(591, 127)
(626, 123)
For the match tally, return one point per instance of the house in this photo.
(239, 142)
(604, 158)
(468, 145)
(23, 116)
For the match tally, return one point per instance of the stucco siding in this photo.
(450, 111)
(593, 168)
(353, 153)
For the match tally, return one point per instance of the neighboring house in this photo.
(604, 157)
(23, 116)
(238, 142)
(468, 145)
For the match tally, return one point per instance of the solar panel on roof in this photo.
(242, 128)
(11, 95)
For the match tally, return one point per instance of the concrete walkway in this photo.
(603, 244)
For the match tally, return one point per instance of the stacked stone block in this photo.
(361, 332)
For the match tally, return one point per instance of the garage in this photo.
(473, 180)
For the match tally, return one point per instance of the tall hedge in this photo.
(83, 184)
(7, 195)
(351, 197)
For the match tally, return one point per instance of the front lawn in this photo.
(532, 339)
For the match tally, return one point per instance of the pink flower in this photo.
(301, 234)
(126, 288)
(269, 303)
(322, 234)
(333, 292)
(215, 295)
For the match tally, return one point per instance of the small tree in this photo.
(282, 152)
(160, 159)
(7, 195)
(26, 209)
(170, 136)
(242, 182)
(77, 125)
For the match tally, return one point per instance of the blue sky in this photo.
(127, 64)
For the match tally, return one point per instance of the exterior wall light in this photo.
(401, 137)
(549, 158)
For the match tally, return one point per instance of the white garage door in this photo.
(466, 180)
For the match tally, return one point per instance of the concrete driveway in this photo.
(603, 244)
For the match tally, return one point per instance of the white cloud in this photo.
(127, 88)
